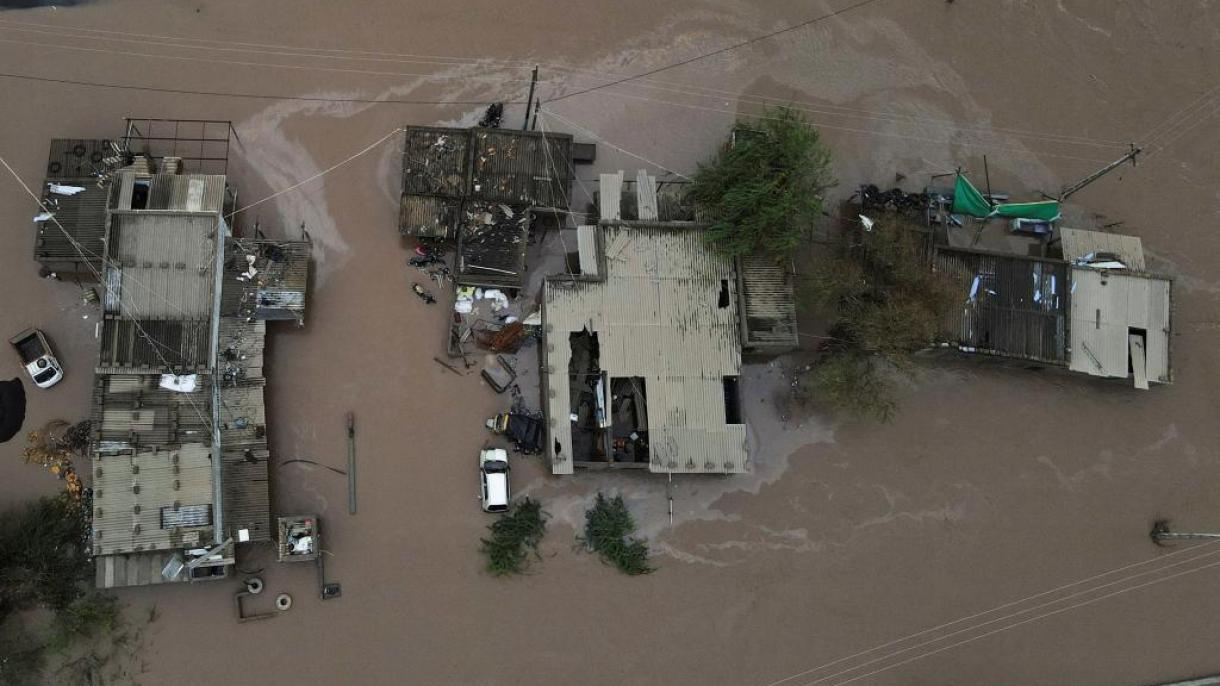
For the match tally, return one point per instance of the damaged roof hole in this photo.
(724, 294)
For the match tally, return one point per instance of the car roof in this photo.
(497, 488)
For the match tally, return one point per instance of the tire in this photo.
(283, 602)
(254, 585)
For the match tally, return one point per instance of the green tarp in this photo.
(968, 200)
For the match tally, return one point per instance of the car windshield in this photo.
(44, 376)
(494, 466)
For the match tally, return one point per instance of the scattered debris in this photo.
(493, 116)
(423, 294)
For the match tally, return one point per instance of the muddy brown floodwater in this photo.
(991, 485)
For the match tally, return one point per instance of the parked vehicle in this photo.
(36, 355)
(493, 480)
(525, 430)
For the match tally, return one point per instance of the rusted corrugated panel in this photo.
(436, 161)
(768, 304)
(426, 216)
(522, 168)
(275, 289)
(132, 410)
(491, 254)
(154, 346)
(1019, 307)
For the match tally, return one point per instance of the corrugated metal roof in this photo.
(1019, 307)
(81, 244)
(76, 158)
(428, 216)
(131, 410)
(173, 192)
(436, 161)
(522, 167)
(146, 346)
(768, 304)
(491, 245)
(277, 289)
(164, 263)
(130, 490)
(657, 315)
(133, 569)
(1077, 243)
(1106, 306)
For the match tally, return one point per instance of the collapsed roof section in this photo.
(642, 356)
(482, 188)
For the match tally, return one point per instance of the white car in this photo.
(36, 356)
(493, 480)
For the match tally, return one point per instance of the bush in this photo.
(763, 192)
(42, 555)
(884, 303)
(44, 564)
(608, 532)
(513, 537)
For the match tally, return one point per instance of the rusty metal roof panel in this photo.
(768, 304)
(522, 167)
(436, 161)
(154, 346)
(1012, 306)
(266, 279)
(427, 216)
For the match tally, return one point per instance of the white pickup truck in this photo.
(36, 356)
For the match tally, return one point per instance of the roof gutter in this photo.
(218, 523)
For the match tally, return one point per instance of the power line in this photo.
(721, 51)
(1021, 623)
(1011, 615)
(319, 175)
(240, 63)
(1010, 604)
(135, 320)
(256, 96)
(625, 151)
(664, 86)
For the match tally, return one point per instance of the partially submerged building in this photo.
(180, 454)
(1094, 309)
(482, 188)
(643, 345)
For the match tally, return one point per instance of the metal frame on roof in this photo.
(202, 144)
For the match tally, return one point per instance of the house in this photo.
(482, 188)
(643, 348)
(179, 450)
(1092, 308)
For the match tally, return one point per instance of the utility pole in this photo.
(1068, 191)
(530, 100)
(1161, 533)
